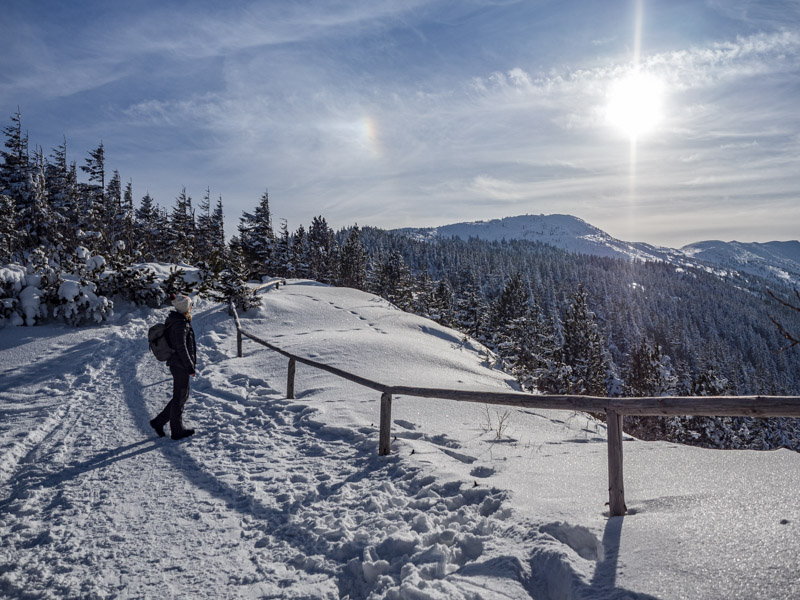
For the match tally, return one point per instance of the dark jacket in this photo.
(180, 337)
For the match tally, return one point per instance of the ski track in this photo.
(93, 505)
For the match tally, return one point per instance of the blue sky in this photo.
(420, 113)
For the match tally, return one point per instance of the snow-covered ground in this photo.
(277, 498)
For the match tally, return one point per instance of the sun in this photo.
(635, 104)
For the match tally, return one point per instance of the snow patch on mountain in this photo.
(777, 261)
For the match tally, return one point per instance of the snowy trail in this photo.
(265, 501)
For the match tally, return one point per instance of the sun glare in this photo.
(635, 104)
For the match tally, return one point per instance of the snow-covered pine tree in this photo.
(257, 239)
(62, 192)
(583, 352)
(649, 373)
(233, 280)
(300, 253)
(210, 252)
(442, 303)
(323, 252)
(218, 228)
(9, 239)
(14, 170)
(472, 311)
(23, 181)
(282, 253)
(423, 290)
(93, 210)
(206, 243)
(395, 282)
(353, 261)
(511, 304)
(147, 227)
(181, 233)
(39, 230)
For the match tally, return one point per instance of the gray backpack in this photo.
(157, 337)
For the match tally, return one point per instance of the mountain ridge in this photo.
(777, 261)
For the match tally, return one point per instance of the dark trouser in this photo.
(173, 411)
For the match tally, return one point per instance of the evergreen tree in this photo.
(35, 208)
(583, 352)
(282, 253)
(300, 254)
(322, 251)
(649, 373)
(93, 212)
(257, 239)
(218, 228)
(14, 170)
(233, 286)
(441, 307)
(472, 312)
(9, 239)
(512, 303)
(147, 227)
(353, 261)
(182, 230)
(206, 242)
(395, 282)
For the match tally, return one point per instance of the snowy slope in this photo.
(776, 261)
(288, 499)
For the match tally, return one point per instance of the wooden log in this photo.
(290, 379)
(710, 406)
(239, 343)
(616, 487)
(385, 440)
(518, 399)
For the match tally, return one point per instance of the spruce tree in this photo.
(9, 238)
(583, 352)
(257, 239)
(353, 261)
(300, 254)
(182, 230)
(93, 211)
(322, 251)
(282, 253)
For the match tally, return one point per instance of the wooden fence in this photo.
(614, 408)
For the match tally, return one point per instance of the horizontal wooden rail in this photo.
(614, 408)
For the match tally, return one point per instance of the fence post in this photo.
(290, 379)
(616, 488)
(239, 343)
(385, 440)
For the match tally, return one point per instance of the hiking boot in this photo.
(159, 428)
(182, 434)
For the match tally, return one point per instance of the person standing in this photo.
(182, 364)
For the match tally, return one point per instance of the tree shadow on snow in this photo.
(21, 482)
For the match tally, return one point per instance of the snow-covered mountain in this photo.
(777, 261)
(772, 260)
(277, 498)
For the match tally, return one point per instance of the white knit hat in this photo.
(182, 304)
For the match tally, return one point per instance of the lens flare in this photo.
(635, 104)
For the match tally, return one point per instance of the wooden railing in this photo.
(614, 408)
